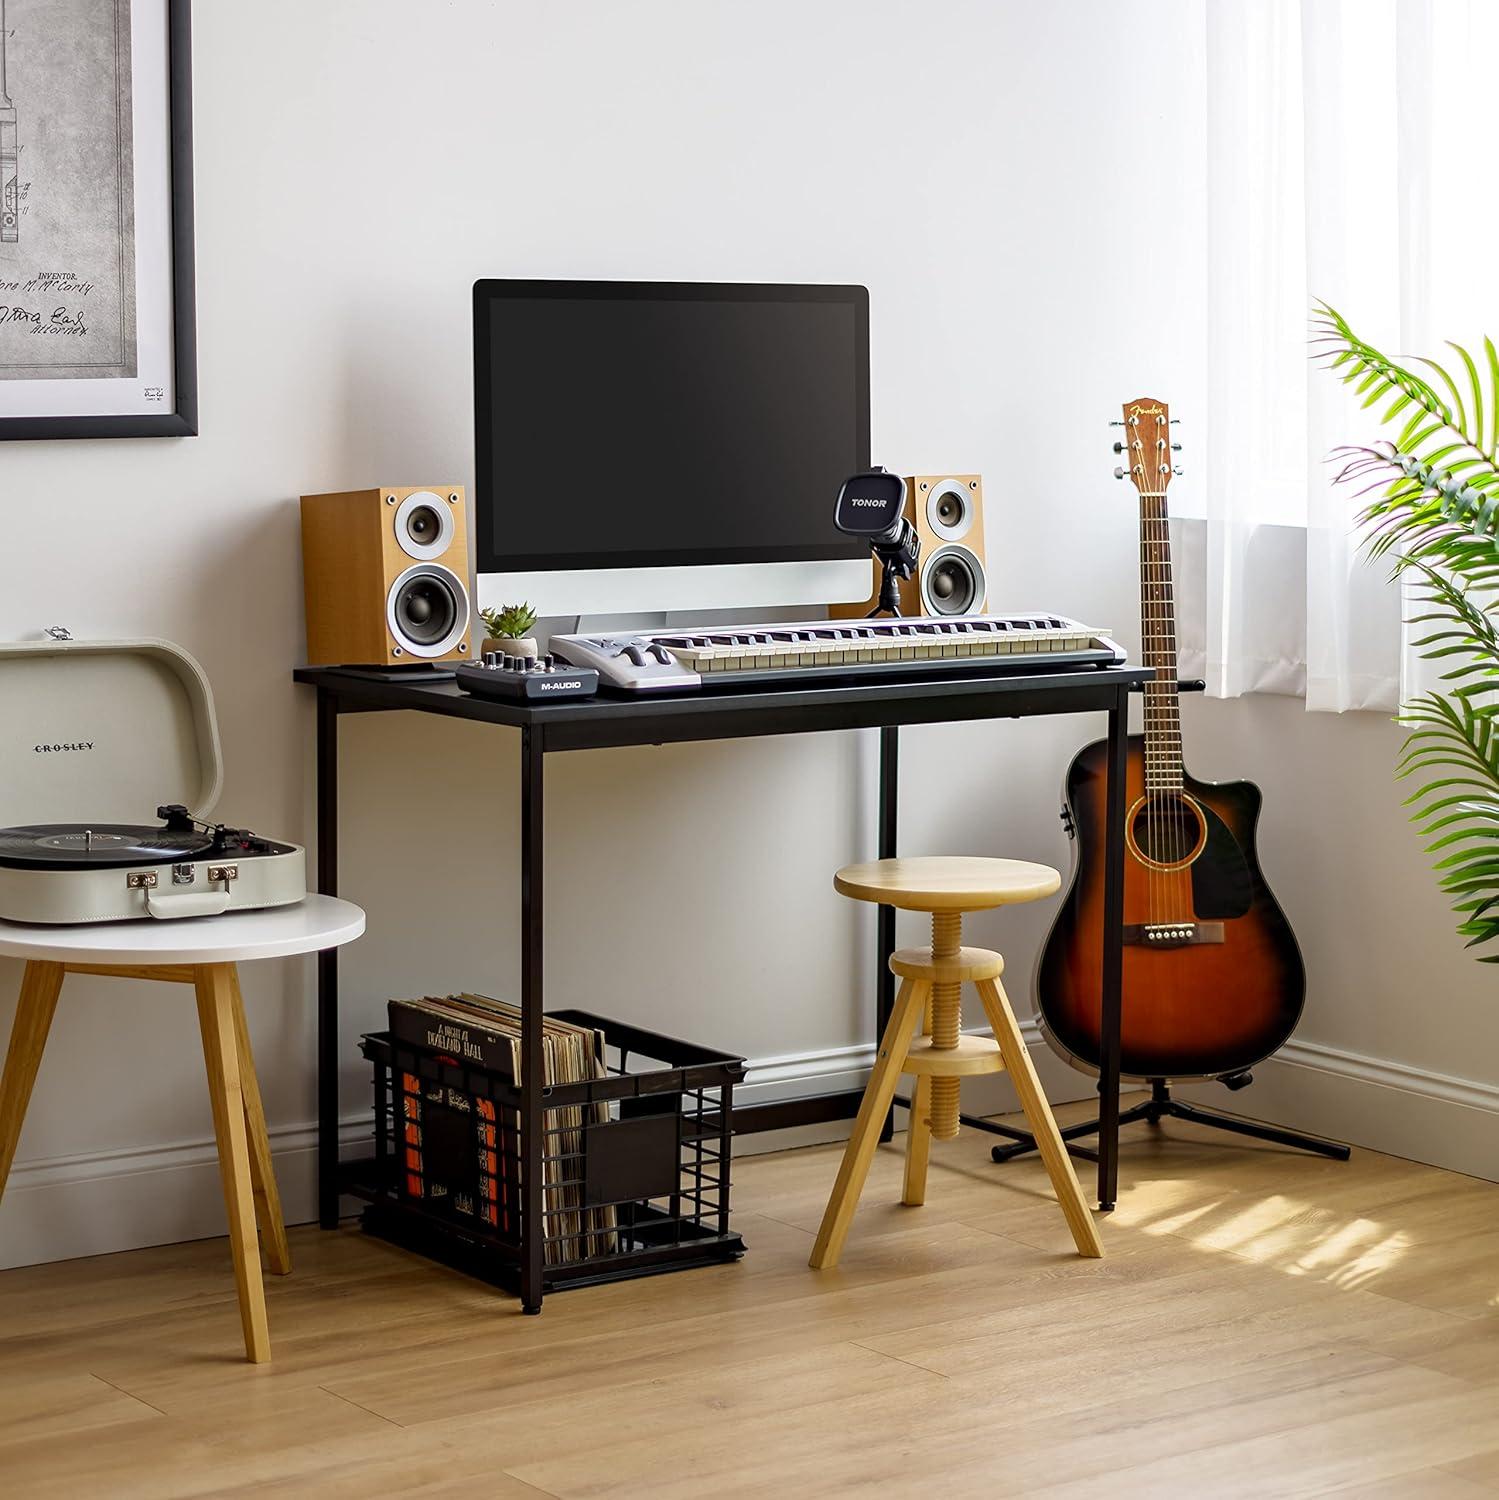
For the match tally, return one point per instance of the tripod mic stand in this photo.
(894, 566)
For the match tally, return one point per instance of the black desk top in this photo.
(733, 713)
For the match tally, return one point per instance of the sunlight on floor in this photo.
(1290, 1234)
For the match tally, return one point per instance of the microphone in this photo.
(872, 505)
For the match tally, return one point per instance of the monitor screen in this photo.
(627, 424)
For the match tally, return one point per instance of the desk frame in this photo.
(605, 722)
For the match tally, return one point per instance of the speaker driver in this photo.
(424, 525)
(427, 610)
(952, 582)
(949, 510)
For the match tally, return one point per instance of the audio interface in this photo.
(528, 678)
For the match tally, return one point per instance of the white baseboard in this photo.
(59, 1208)
(62, 1207)
(97, 1202)
(1416, 1113)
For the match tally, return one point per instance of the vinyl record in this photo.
(63, 846)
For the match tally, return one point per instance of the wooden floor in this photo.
(1265, 1324)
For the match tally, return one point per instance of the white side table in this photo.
(203, 952)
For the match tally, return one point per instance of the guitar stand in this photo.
(1162, 1106)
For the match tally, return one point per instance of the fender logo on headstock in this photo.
(1137, 409)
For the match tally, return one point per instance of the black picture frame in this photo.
(183, 420)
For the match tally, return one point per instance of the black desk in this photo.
(596, 723)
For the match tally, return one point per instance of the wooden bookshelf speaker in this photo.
(385, 575)
(947, 511)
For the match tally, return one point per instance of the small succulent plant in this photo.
(510, 623)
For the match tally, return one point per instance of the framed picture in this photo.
(97, 334)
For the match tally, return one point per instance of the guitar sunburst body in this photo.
(1213, 978)
(1200, 1008)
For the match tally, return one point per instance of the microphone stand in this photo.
(893, 568)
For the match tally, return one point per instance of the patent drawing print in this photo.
(9, 172)
(67, 191)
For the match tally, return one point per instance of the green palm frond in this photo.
(1440, 474)
(1436, 518)
(1458, 809)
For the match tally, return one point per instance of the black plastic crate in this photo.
(635, 1165)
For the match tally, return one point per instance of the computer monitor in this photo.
(654, 446)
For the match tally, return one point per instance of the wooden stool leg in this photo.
(40, 986)
(1022, 1071)
(854, 1168)
(918, 1142)
(919, 1130)
(262, 1170)
(215, 991)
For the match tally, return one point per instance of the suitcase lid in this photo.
(104, 731)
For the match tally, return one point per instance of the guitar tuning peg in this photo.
(1178, 471)
(1116, 424)
(1176, 447)
(1118, 447)
(1176, 421)
(1120, 473)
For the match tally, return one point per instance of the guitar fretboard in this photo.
(1163, 737)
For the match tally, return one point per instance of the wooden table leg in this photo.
(214, 984)
(40, 986)
(1038, 1116)
(854, 1168)
(262, 1169)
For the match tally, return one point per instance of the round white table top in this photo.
(314, 923)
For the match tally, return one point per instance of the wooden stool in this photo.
(930, 994)
(204, 952)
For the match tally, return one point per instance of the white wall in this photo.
(1018, 185)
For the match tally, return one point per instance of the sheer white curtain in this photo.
(1345, 160)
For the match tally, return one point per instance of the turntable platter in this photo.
(66, 846)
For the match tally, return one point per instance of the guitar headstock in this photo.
(1146, 446)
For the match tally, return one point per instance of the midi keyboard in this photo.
(662, 661)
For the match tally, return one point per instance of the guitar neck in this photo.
(1163, 738)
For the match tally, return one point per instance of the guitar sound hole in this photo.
(1166, 828)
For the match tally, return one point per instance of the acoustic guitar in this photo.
(1213, 977)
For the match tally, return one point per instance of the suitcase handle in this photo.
(187, 904)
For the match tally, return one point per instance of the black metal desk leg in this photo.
(889, 821)
(1113, 957)
(327, 964)
(533, 1117)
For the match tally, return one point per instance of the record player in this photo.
(95, 736)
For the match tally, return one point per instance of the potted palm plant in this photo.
(509, 629)
(1435, 518)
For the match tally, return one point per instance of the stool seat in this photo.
(973, 1054)
(946, 882)
(971, 964)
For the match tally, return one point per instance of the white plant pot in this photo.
(513, 646)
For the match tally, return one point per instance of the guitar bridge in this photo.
(1172, 934)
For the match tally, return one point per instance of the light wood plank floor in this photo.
(1265, 1324)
